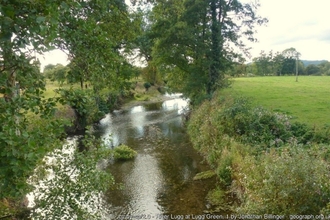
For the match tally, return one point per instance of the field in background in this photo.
(307, 100)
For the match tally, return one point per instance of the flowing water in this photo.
(159, 180)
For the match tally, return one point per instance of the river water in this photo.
(159, 180)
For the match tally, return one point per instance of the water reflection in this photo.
(159, 179)
(178, 104)
(138, 117)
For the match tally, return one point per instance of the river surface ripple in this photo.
(159, 180)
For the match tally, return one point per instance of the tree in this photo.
(325, 68)
(57, 73)
(263, 63)
(26, 27)
(238, 67)
(252, 69)
(95, 34)
(194, 38)
(313, 69)
(49, 67)
(278, 61)
(145, 39)
(290, 57)
(29, 130)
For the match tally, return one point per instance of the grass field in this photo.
(307, 100)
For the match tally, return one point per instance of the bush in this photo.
(147, 86)
(268, 163)
(84, 105)
(255, 125)
(161, 90)
(218, 198)
(285, 181)
(123, 152)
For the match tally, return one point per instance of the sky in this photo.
(303, 25)
(53, 57)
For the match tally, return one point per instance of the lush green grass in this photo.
(52, 86)
(50, 89)
(307, 100)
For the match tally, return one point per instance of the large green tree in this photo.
(195, 40)
(325, 68)
(95, 34)
(263, 63)
(26, 27)
(57, 73)
(313, 69)
(289, 64)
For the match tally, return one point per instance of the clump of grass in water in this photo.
(204, 175)
(217, 199)
(123, 152)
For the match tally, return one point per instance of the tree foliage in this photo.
(194, 41)
(57, 73)
(26, 27)
(279, 63)
(65, 193)
(284, 63)
(95, 34)
(312, 69)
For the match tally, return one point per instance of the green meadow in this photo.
(307, 100)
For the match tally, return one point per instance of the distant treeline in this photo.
(314, 62)
(286, 62)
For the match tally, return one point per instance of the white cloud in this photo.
(295, 23)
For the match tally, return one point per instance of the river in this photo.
(159, 180)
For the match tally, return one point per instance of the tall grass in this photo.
(266, 163)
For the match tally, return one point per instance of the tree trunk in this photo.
(215, 50)
(81, 83)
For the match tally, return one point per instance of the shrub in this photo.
(268, 163)
(84, 105)
(123, 152)
(255, 125)
(198, 126)
(147, 86)
(217, 197)
(262, 128)
(286, 181)
(161, 90)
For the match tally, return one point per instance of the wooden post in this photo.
(297, 67)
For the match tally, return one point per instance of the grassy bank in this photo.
(306, 101)
(264, 162)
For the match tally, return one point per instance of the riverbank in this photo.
(93, 110)
(264, 162)
(140, 95)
